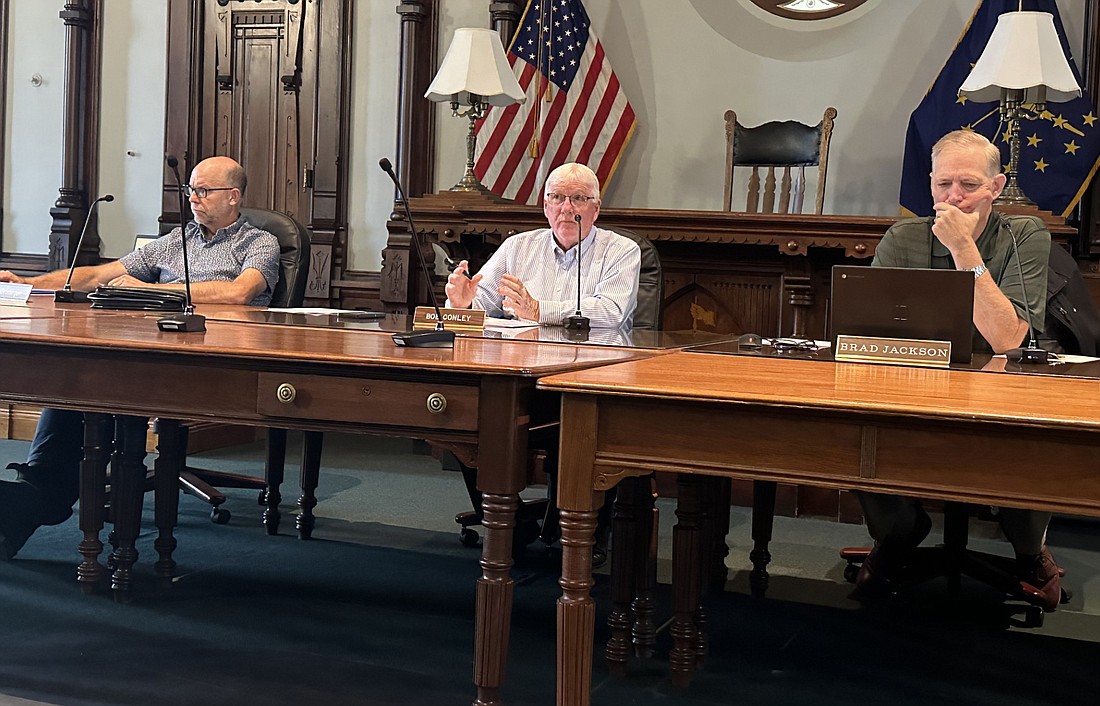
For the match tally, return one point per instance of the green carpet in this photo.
(378, 609)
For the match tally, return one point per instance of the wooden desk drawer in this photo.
(368, 401)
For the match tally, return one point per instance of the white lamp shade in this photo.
(475, 63)
(1023, 53)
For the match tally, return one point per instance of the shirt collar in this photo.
(566, 257)
(228, 232)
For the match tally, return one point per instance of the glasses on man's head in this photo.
(203, 191)
(577, 200)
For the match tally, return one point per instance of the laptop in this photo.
(899, 302)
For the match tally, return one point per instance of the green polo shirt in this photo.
(910, 243)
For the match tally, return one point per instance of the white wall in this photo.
(32, 154)
(373, 130)
(132, 122)
(131, 145)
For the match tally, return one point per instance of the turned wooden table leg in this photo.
(311, 471)
(763, 515)
(127, 489)
(625, 537)
(171, 458)
(93, 497)
(494, 597)
(645, 557)
(274, 472)
(576, 609)
(687, 559)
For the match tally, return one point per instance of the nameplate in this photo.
(457, 319)
(896, 351)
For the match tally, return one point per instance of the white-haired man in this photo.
(533, 275)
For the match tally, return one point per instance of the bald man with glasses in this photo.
(231, 262)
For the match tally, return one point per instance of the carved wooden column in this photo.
(504, 15)
(415, 114)
(79, 164)
(415, 143)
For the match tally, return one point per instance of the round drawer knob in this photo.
(285, 393)
(437, 403)
(860, 248)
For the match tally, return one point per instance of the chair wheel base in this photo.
(220, 516)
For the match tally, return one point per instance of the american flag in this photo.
(575, 109)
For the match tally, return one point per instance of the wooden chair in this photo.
(787, 146)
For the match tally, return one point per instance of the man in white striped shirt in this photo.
(533, 275)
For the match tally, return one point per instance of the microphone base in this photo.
(68, 296)
(576, 323)
(436, 338)
(1028, 356)
(182, 323)
(577, 335)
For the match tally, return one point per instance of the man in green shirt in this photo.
(1009, 292)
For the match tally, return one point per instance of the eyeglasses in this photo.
(576, 199)
(203, 191)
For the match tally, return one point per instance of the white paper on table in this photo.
(12, 292)
(498, 323)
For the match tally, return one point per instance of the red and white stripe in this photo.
(591, 124)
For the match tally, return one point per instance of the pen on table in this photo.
(454, 265)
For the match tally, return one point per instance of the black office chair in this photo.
(543, 439)
(294, 249)
(788, 146)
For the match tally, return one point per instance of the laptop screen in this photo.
(898, 302)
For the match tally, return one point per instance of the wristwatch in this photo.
(979, 270)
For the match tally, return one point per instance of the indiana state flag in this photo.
(1059, 147)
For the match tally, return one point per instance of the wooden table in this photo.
(1013, 440)
(480, 393)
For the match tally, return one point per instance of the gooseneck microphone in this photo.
(1031, 354)
(66, 293)
(439, 337)
(188, 321)
(578, 322)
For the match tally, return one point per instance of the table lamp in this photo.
(1023, 67)
(475, 73)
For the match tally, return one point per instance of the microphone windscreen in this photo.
(577, 218)
(108, 198)
(385, 164)
(172, 161)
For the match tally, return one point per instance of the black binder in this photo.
(137, 299)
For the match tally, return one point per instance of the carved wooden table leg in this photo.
(274, 472)
(687, 559)
(719, 519)
(93, 497)
(763, 514)
(576, 609)
(643, 606)
(171, 458)
(494, 597)
(625, 538)
(311, 468)
(127, 489)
